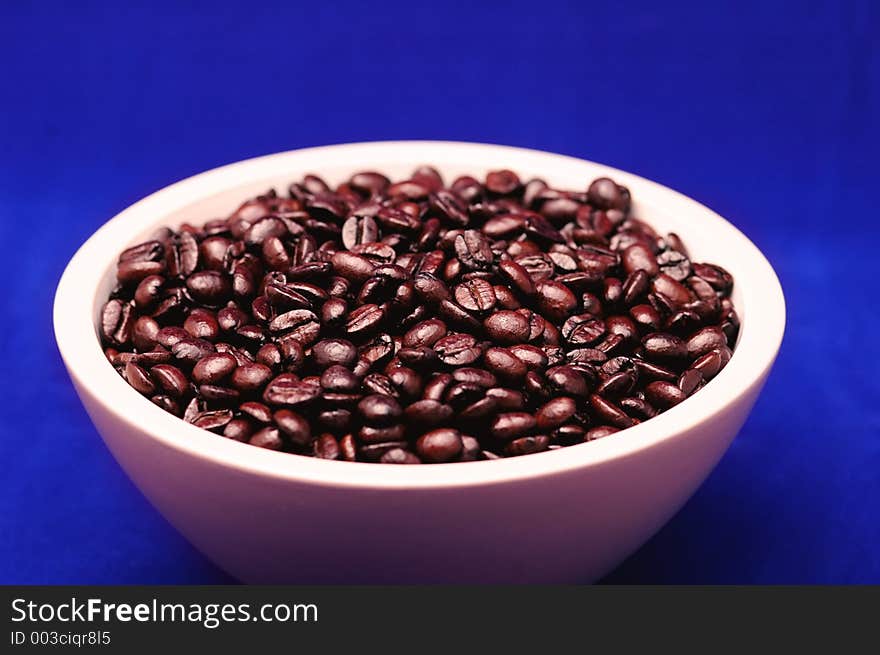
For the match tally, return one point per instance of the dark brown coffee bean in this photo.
(379, 410)
(503, 182)
(214, 420)
(330, 352)
(639, 257)
(712, 362)
(293, 426)
(149, 292)
(213, 368)
(506, 400)
(428, 413)
(555, 300)
(583, 329)
(646, 317)
(662, 347)
(704, 340)
(267, 438)
(605, 194)
(140, 379)
(554, 413)
(599, 432)
(250, 378)
(399, 456)
(288, 389)
(511, 425)
(505, 364)
(527, 445)
(475, 295)
(458, 349)
(437, 446)
(473, 250)
(690, 380)
(608, 412)
(365, 319)
(507, 327)
(170, 379)
(359, 229)
(517, 276)
(664, 394)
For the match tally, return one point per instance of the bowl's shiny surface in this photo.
(563, 516)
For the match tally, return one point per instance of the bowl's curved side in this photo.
(559, 516)
(572, 526)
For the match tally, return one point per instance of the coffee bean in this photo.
(664, 347)
(605, 194)
(554, 413)
(503, 182)
(213, 368)
(458, 349)
(288, 389)
(583, 329)
(705, 340)
(475, 295)
(505, 364)
(527, 445)
(442, 445)
(330, 352)
(511, 425)
(507, 327)
(664, 394)
(555, 300)
(473, 251)
(366, 319)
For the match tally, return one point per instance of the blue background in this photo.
(764, 111)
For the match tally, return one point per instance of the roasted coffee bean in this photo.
(436, 446)
(704, 341)
(458, 349)
(511, 425)
(662, 347)
(690, 380)
(288, 389)
(213, 420)
(359, 229)
(473, 250)
(527, 445)
(664, 395)
(170, 379)
(213, 368)
(583, 329)
(330, 352)
(507, 327)
(293, 426)
(364, 320)
(379, 410)
(475, 295)
(209, 287)
(604, 193)
(555, 412)
(610, 413)
(505, 364)
(599, 432)
(428, 413)
(712, 362)
(251, 377)
(370, 316)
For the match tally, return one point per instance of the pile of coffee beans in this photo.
(414, 322)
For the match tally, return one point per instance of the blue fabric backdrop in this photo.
(765, 111)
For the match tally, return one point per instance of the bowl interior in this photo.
(90, 277)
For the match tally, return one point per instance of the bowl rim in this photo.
(760, 336)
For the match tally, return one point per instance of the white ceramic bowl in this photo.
(568, 515)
